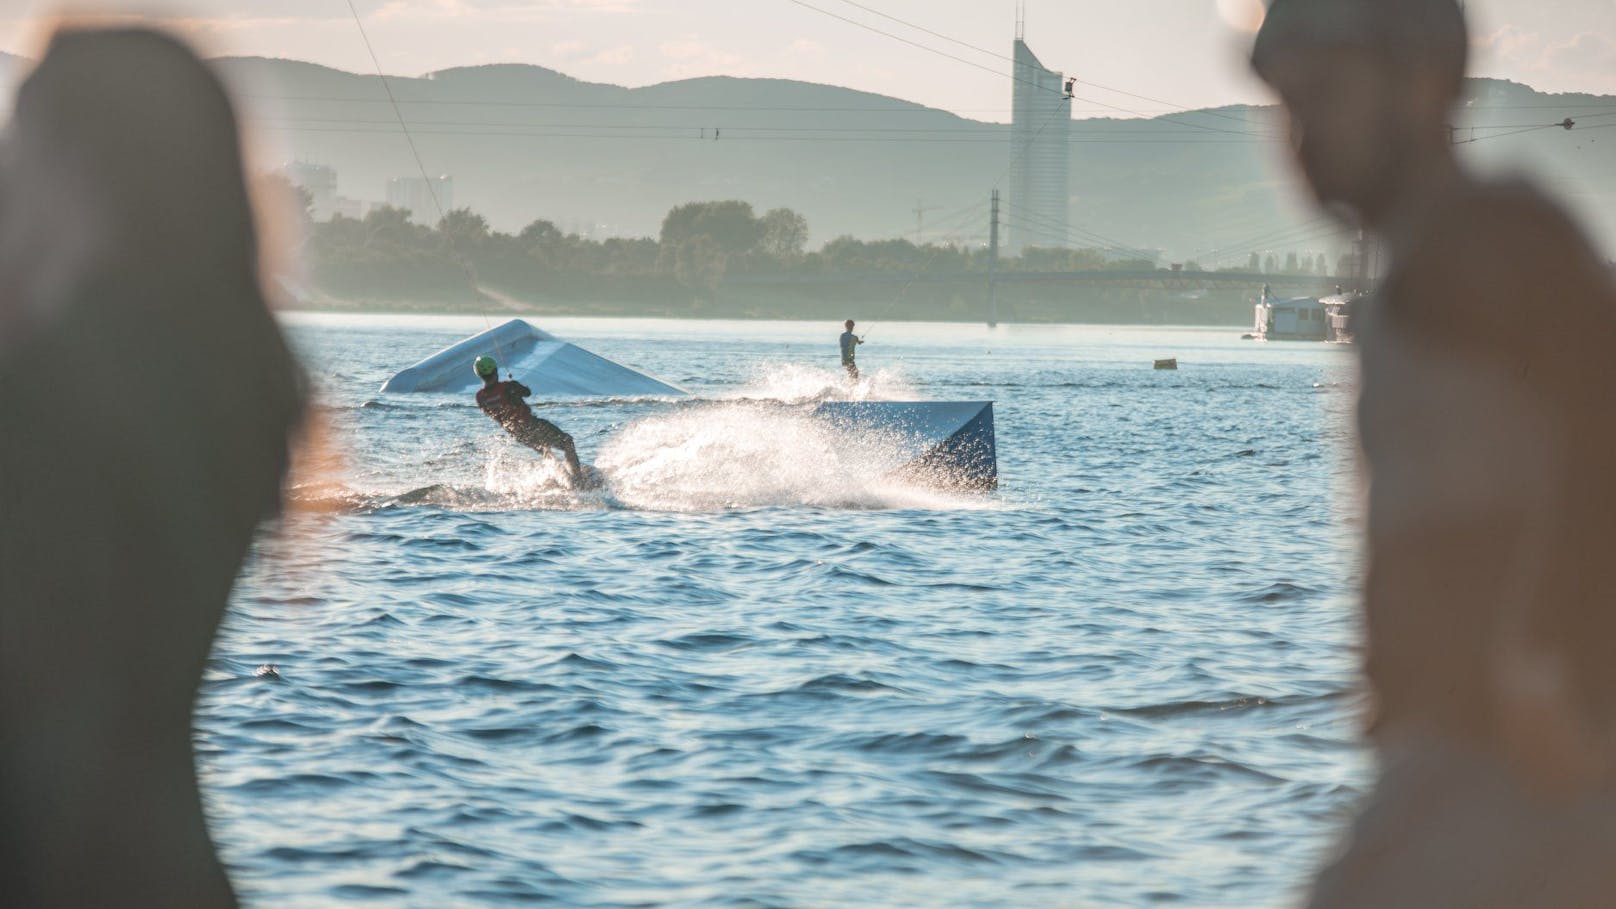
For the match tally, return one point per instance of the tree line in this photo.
(699, 247)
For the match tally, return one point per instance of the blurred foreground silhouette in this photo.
(146, 397)
(1489, 440)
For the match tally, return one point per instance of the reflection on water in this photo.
(752, 671)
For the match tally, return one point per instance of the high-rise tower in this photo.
(1040, 130)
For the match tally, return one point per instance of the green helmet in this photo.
(486, 367)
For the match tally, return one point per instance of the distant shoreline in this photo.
(833, 312)
(1146, 310)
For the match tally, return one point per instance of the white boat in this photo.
(1305, 318)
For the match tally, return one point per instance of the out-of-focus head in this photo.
(485, 367)
(128, 240)
(128, 129)
(849, 324)
(1369, 85)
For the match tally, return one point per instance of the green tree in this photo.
(730, 225)
(544, 243)
(338, 236)
(785, 234)
(540, 233)
(1087, 260)
(1042, 258)
(700, 263)
(388, 226)
(464, 229)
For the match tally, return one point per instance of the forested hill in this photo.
(524, 142)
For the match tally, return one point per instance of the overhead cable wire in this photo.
(693, 134)
(901, 107)
(1547, 106)
(960, 216)
(983, 50)
(402, 125)
(1530, 129)
(925, 47)
(999, 56)
(1070, 233)
(1016, 157)
(1293, 244)
(1268, 237)
(934, 34)
(1293, 241)
(954, 220)
(986, 131)
(1569, 124)
(996, 72)
(420, 165)
(1073, 238)
(1037, 216)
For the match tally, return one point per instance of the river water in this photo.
(752, 672)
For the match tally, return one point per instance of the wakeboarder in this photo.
(505, 403)
(850, 344)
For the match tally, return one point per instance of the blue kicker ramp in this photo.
(944, 443)
(541, 361)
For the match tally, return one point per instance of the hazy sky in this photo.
(1184, 52)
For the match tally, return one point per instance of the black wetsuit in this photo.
(503, 401)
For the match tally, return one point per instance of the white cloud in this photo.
(1586, 51)
(1510, 42)
(1584, 62)
(621, 55)
(505, 9)
(685, 49)
(1557, 45)
(695, 57)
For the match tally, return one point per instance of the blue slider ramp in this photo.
(550, 366)
(938, 443)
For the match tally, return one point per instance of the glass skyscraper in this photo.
(1040, 131)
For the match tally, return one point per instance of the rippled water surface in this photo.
(753, 672)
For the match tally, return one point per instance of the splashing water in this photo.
(519, 473)
(794, 383)
(753, 455)
(1043, 700)
(756, 446)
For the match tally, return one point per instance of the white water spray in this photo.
(755, 455)
(793, 383)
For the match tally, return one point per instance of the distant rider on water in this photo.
(504, 402)
(850, 343)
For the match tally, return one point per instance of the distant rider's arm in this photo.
(520, 390)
